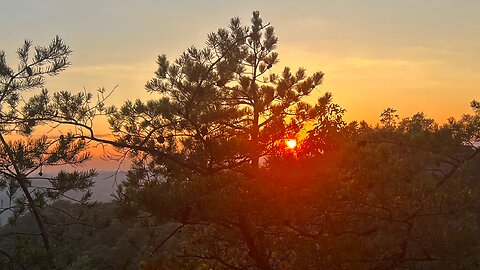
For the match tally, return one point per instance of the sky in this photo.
(412, 55)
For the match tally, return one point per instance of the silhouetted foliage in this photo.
(209, 155)
(24, 153)
(220, 113)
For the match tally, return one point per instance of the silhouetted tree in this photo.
(24, 153)
(209, 154)
(221, 112)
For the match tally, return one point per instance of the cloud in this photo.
(112, 68)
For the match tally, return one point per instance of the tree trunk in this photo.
(248, 235)
(21, 179)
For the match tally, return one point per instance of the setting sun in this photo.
(291, 143)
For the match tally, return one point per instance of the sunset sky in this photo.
(409, 55)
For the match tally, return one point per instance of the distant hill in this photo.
(105, 186)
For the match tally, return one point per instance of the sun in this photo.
(291, 143)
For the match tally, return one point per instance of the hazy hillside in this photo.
(105, 186)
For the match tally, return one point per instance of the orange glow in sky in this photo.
(409, 55)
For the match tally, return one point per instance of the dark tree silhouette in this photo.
(221, 111)
(24, 153)
(209, 155)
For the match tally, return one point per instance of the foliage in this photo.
(221, 112)
(209, 154)
(108, 243)
(24, 153)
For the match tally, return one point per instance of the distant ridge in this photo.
(105, 186)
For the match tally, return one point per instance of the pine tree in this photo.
(24, 153)
(220, 114)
